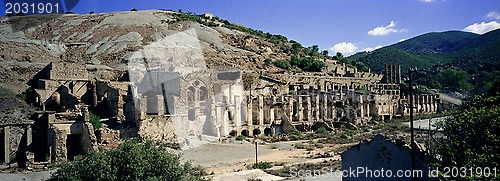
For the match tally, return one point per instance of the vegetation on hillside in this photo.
(435, 53)
(309, 59)
(131, 160)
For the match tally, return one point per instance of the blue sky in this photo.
(336, 25)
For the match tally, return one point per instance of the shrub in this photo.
(284, 64)
(133, 9)
(297, 133)
(131, 160)
(346, 134)
(240, 138)
(321, 130)
(95, 121)
(262, 165)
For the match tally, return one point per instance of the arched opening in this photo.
(203, 93)
(190, 93)
(256, 132)
(232, 133)
(267, 131)
(245, 133)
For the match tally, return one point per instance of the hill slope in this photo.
(477, 55)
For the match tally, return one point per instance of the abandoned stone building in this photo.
(175, 105)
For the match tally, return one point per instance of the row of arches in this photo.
(254, 132)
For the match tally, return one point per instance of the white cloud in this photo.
(344, 48)
(427, 1)
(385, 30)
(481, 28)
(369, 49)
(493, 15)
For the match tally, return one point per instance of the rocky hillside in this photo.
(106, 40)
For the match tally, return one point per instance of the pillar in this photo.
(143, 106)
(249, 110)
(399, 74)
(237, 111)
(316, 107)
(261, 109)
(290, 109)
(361, 106)
(324, 107)
(160, 104)
(300, 108)
(271, 109)
(309, 111)
(6, 144)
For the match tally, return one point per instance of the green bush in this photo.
(262, 165)
(284, 64)
(297, 133)
(240, 138)
(346, 134)
(95, 121)
(131, 160)
(321, 130)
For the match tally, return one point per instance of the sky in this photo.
(346, 26)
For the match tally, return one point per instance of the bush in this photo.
(95, 121)
(129, 161)
(346, 134)
(262, 165)
(240, 138)
(321, 130)
(297, 133)
(284, 64)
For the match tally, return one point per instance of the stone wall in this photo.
(67, 71)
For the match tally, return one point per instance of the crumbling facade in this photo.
(182, 103)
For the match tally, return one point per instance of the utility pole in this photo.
(256, 160)
(410, 71)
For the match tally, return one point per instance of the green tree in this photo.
(325, 52)
(284, 64)
(131, 160)
(455, 80)
(473, 135)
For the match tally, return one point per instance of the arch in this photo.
(190, 93)
(267, 131)
(245, 133)
(233, 133)
(203, 93)
(256, 132)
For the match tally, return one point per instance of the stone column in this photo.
(249, 110)
(29, 136)
(399, 74)
(219, 111)
(368, 109)
(431, 103)
(309, 107)
(300, 108)
(261, 109)
(6, 144)
(160, 104)
(290, 109)
(143, 103)
(316, 107)
(237, 111)
(324, 107)
(271, 109)
(361, 106)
